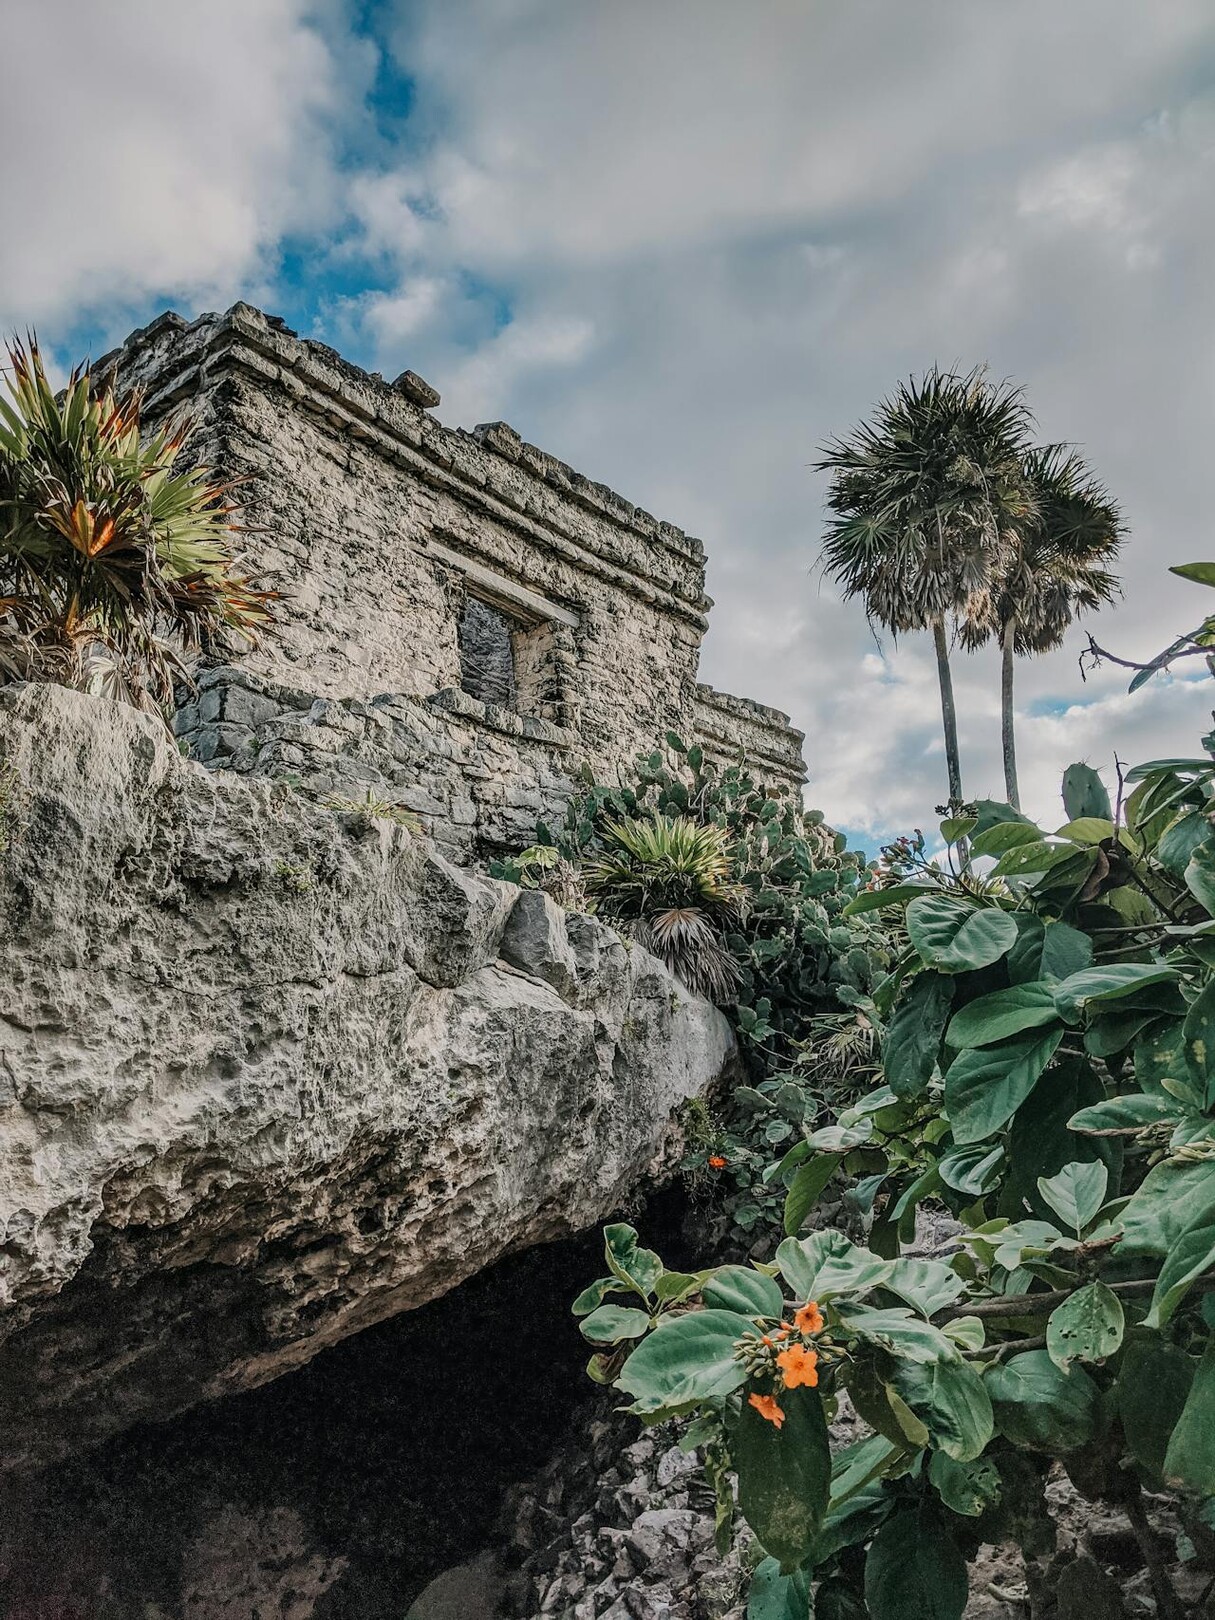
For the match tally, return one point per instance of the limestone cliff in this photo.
(269, 1074)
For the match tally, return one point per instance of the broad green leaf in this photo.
(1065, 950)
(1191, 1256)
(974, 1169)
(639, 1268)
(1178, 842)
(956, 936)
(909, 1051)
(611, 1324)
(1190, 1458)
(1123, 1116)
(1087, 1327)
(686, 1359)
(949, 1397)
(774, 1596)
(1024, 961)
(674, 1286)
(1076, 1193)
(1200, 876)
(898, 894)
(1023, 1237)
(738, 1288)
(1002, 1014)
(590, 1298)
(955, 827)
(826, 1263)
(1201, 573)
(1151, 1392)
(801, 1259)
(1087, 830)
(898, 1331)
(984, 1087)
(928, 1286)
(1003, 836)
(1173, 1197)
(1109, 983)
(879, 1404)
(1040, 1407)
(968, 1488)
(993, 813)
(805, 1188)
(1040, 856)
(914, 1570)
(1199, 1035)
(967, 1332)
(784, 1475)
(1161, 1065)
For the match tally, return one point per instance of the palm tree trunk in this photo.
(1006, 714)
(949, 714)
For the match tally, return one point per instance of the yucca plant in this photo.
(669, 879)
(114, 563)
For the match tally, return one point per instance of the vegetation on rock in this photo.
(1048, 1078)
(114, 560)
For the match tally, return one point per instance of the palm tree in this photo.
(1053, 569)
(113, 559)
(923, 496)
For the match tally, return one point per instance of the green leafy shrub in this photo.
(113, 561)
(768, 885)
(667, 879)
(1048, 1077)
(781, 899)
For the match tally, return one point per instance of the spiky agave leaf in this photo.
(107, 550)
(652, 863)
(687, 941)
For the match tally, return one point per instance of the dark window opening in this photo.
(487, 654)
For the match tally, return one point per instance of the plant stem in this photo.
(1168, 1604)
(1007, 736)
(1015, 1305)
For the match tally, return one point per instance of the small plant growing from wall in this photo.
(115, 561)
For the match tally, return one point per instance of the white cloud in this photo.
(146, 147)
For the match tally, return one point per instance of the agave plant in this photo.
(114, 563)
(668, 878)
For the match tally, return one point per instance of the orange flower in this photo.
(766, 1406)
(798, 1366)
(783, 1331)
(716, 1162)
(809, 1319)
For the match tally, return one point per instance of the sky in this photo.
(681, 244)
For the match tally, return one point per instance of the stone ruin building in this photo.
(466, 622)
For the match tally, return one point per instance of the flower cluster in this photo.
(786, 1358)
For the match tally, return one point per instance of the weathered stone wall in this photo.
(377, 524)
(270, 1073)
(729, 727)
(478, 776)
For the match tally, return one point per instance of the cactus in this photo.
(1084, 794)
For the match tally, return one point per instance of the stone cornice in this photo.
(192, 356)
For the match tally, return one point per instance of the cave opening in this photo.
(337, 1492)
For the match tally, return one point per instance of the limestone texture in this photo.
(270, 1073)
